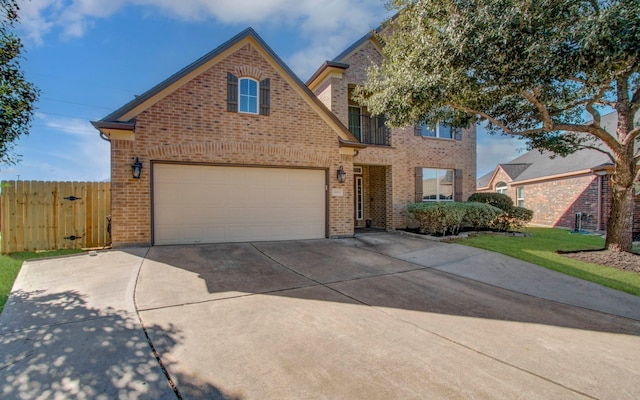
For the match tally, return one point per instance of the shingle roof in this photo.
(514, 169)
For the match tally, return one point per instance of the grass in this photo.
(541, 247)
(10, 266)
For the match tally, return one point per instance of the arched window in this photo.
(248, 95)
(501, 187)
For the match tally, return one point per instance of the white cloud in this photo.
(496, 149)
(72, 126)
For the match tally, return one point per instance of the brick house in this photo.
(569, 192)
(235, 147)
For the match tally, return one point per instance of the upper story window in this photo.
(442, 131)
(501, 187)
(247, 95)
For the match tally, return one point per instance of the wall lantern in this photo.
(341, 175)
(136, 168)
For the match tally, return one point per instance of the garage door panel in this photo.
(210, 204)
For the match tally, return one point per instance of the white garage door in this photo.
(213, 204)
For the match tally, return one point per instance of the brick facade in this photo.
(555, 202)
(191, 124)
(406, 152)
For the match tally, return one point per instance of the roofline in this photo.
(587, 171)
(125, 126)
(325, 65)
(363, 39)
(247, 33)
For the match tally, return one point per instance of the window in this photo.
(355, 122)
(437, 184)
(248, 96)
(501, 188)
(359, 199)
(443, 131)
(520, 196)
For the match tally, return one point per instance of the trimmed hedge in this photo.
(502, 201)
(513, 220)
(449, 217)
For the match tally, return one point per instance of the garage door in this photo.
(213, 204)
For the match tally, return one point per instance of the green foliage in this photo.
(448, 217)
(438, 217)
(513, 219)
(480, 215)
(17, 95)
(502, 201)
(527, 68)
(541, 248)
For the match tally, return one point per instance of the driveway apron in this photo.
(70, 330)
(382, 316)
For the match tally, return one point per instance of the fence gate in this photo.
(39, 215)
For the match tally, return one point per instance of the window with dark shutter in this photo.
(232, 92)
(417, 130)
(418, 184)
(458, 134)
(457, 185)
(265, 96)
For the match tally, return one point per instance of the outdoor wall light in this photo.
(136, 168)
(341, 175)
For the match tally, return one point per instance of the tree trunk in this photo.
(619, 226)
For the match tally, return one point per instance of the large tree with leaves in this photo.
(543, 69)
(17, 95)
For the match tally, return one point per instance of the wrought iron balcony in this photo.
(370, 130)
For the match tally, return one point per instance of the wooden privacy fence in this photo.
(39, 215)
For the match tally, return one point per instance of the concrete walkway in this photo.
(379, 316)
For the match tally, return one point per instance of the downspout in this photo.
(103, 137)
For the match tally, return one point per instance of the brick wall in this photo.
(407, 151)
(192, 125)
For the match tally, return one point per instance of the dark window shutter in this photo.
(417, 130)
(418, 184)
(457, 133)
(265, 96)
(232, 92)
(457, 185)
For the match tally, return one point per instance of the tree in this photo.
(533, 68)
(17, 96)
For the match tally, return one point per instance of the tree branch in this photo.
(494, 121)
(608, 154)
(589, 106)
(635, 101)
(547, 123)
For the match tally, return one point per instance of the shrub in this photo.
(502, 201)
(480, 215)
(513, 220)
(438, 217)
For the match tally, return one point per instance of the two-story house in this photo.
(234, 147)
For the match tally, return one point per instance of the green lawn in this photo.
(541, 247)
(10, 266)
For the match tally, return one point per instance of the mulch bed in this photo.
(607, 258)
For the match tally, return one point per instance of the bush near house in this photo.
(502, 201)
(449, 218)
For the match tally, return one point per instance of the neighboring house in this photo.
(235, 147)
(569, 192)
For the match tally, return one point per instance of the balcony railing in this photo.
(370, 130)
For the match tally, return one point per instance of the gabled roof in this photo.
(513, 170)
(129, 111)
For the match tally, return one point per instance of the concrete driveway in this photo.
(376, 317)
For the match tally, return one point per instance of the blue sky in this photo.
(90, 57)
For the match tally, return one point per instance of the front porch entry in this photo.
(371, 196)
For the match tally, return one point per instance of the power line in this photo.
(77, 104)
